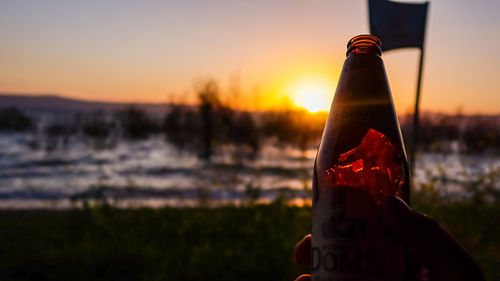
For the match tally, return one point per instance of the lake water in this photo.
(154, 173)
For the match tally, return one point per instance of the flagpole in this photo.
(414, 144)
(416, 113)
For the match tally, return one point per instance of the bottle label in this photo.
(349, 240)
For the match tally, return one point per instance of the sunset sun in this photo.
(312, 94)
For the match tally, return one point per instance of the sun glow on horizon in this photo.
(313, 94)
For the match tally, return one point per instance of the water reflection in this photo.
(154, 173)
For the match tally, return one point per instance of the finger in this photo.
(303, 277)
(302, 251)
(429, 243)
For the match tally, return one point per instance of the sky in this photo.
(262, 51)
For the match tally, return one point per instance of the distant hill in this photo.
(55, 103)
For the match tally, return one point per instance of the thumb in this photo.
(429, 243)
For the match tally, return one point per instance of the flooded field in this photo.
(154, 173)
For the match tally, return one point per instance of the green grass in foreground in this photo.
(227, 243)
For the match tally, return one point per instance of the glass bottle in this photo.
(361, 159)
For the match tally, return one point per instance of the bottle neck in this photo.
(364, 44)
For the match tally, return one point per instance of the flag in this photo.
(396, 24)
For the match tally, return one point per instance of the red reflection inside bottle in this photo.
(374, 166)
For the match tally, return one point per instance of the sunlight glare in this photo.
(313, 94)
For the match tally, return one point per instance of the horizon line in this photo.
(294, 108)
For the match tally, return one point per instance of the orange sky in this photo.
(147, 51)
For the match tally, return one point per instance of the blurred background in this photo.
(169, 140)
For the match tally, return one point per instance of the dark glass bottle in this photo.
(361, 159)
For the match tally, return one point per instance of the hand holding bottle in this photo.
(429, 244)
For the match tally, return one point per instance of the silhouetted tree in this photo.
(101, 130)
(182, 127)
(136, 123)
(244, 131)
(296, 128)
(211, 125)
(13, 119)
(97, 127)
(57, 135)
(209, 101)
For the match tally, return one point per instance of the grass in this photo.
(226, 243)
